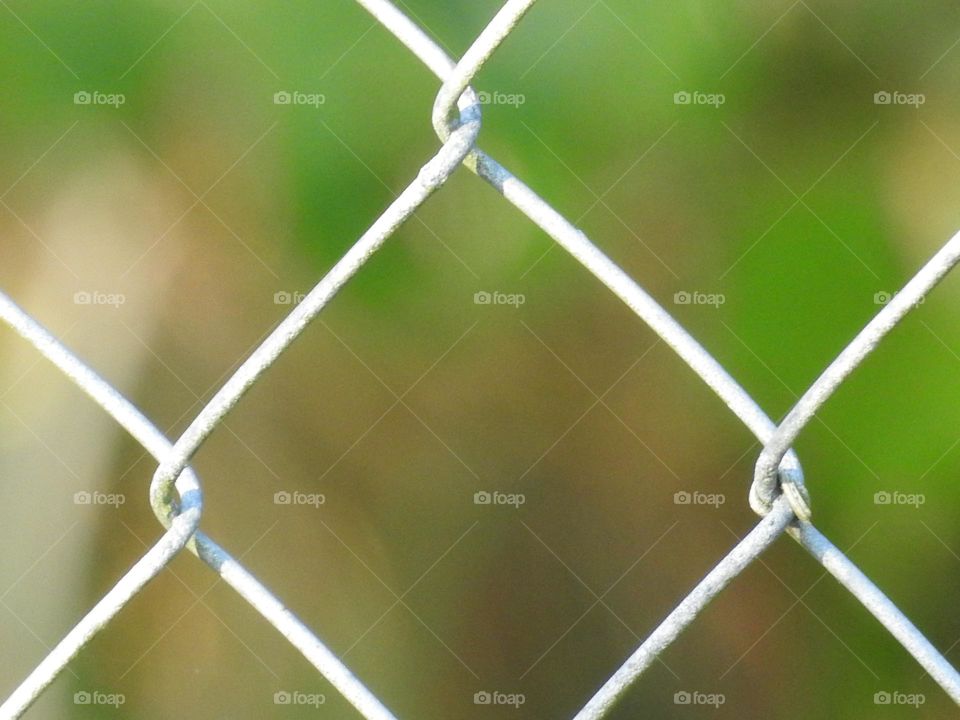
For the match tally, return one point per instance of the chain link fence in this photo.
(777, 493)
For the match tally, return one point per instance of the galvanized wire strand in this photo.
(736, 561)
(430, 177)
(175, 458)
(704, 364)
(290, 626)
(577, 244)
(172, 541)
(154, 442)
(479, 52)
(659, 320)
(762, 536)
(455, 148)
(572, 239)
(846, 362)
(880, 606)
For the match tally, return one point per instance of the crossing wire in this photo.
(777, 492)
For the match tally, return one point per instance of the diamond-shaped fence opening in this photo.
(778, 493)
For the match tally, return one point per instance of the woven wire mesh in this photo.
(777, 494)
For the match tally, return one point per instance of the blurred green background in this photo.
(205, 207)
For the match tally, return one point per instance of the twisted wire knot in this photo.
(785, 479)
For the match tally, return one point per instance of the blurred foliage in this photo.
(798, 199)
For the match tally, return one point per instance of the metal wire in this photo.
(777, 492)
(176, 537)
(847, 361)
